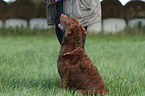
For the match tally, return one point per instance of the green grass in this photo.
(28, 65)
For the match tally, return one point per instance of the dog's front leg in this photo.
(65, 78)
(64, 82)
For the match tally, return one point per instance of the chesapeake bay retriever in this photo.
(74, 66)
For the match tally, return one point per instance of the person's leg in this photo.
(59, 33)
(59, 11)
(84, 37)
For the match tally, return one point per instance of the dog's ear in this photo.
(83, 30)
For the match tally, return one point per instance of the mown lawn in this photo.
(28, 65)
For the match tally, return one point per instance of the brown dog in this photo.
(74, 66)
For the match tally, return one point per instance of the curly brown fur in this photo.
(76, 69)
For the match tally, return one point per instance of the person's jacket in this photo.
(86, 11)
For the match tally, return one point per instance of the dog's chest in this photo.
(68, 60)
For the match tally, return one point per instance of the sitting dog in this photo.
(74, 66)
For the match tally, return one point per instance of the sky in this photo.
(122, 1)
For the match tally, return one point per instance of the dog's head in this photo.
(71, 25)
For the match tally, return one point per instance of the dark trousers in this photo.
(59, 32)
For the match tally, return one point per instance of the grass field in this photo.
(28, 65)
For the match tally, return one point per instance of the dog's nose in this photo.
(62, 15)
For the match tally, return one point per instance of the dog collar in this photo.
(67, 53)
